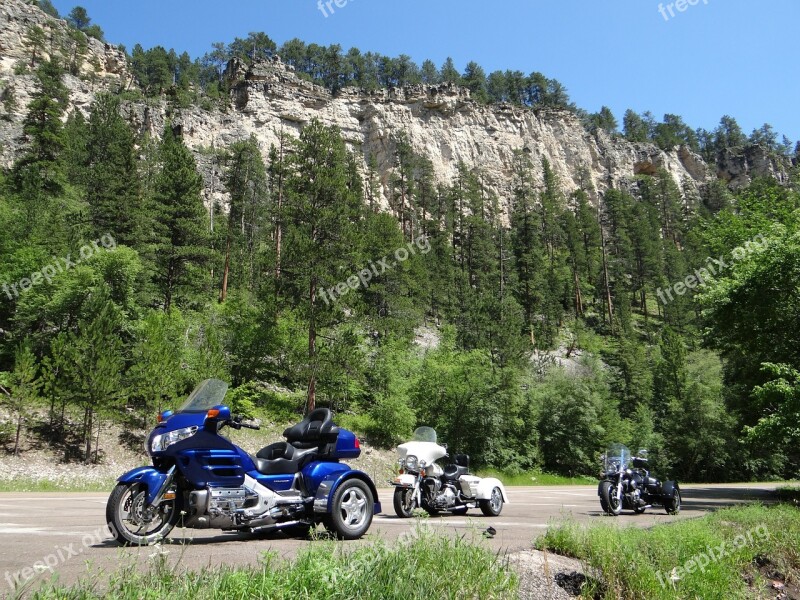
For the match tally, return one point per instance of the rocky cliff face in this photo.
(441, 122)
(98, 66)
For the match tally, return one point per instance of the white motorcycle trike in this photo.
(423, 483)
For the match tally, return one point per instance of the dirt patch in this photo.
(543, 575)
(779, 585)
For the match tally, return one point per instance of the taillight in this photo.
(358, 444)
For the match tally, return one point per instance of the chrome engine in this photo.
(251, 505)
(447, 497)
(227, 500)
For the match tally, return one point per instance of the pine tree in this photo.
(35, 42)
(181, 235)
(402, 186)
(38, 174)
(21, 387)
(449, 73)
(634, 127)
(95, 361)
(75, 156)
(246, 182)
(156, 360)
(113, 191)
(474, 79)
(320, 246)
(529, 255)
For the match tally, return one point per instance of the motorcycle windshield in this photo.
(424, 434)
(208, 394)
(617, 457)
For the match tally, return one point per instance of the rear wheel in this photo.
(132, 523)
(673, 505)
(609, 498)
(351, 511)
(492, 506)
(403, 501)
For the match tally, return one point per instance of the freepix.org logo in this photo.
(668, 11)
(326, 7)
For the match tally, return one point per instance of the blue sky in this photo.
(717, 57)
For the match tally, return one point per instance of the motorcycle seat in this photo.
(315, 430)
(282, 458)
(453, 472)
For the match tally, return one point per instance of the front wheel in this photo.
(403, 501)
(673, 505)
(134, 524)
(351, 513)
(492, 506)
(609, 498)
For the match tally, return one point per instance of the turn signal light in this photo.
(212, 414)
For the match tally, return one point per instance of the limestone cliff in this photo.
(441, 122)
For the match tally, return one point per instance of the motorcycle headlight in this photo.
(164, 441)
(411, 463)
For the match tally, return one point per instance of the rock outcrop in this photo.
(441, 122)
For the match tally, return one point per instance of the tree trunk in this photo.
(312, 351)
(19, 431)
(279, 223)
(87, 434)
(97, 441)
(578, 296)
(606, 283)
(223, 293)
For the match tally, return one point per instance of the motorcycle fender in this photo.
(150, 477)
(668, 487)
(486, 486)
(327, 488)
(404, 480)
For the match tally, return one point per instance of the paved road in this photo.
(66, 530)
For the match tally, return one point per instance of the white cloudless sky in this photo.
(718, 57)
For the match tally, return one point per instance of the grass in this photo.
(725, 555)
(536, 478)
(426, 565)
(789, 494)
(57, 485)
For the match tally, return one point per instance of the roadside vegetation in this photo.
(426, 566)
(743, 552)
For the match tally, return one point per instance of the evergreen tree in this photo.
(604, 120)
(113, 191)
(35, 42)
(449, 73)
(246, 182)
(38, 174)
(474, 79)
(526, 242)
(154, 376)
(21, 388)
(634, 127)
(181, 233)
(429, 73)
(94, 356)
(320, 248)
